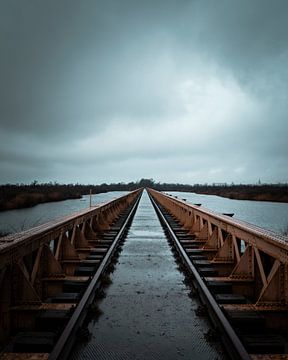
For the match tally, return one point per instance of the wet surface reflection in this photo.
(147, 313)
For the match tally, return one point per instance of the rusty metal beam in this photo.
(247, 251)
(35, 263)
(16, 246)
(267, 241)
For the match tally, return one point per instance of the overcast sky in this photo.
(117, 90)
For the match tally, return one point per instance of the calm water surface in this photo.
(16, 220)
(269, 215)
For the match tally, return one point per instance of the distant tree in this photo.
(146, 183)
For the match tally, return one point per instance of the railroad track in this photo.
(243, 333)
(52, 324)
(59, 319)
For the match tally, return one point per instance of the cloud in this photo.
(180, 91)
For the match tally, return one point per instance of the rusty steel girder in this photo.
(254, 259)
(35, 263)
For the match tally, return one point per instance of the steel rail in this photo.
(15, 246)
(232, 343)
(67, 338)
(271, 243)
(224, 220)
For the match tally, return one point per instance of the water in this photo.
(17, 220)
(269, 215)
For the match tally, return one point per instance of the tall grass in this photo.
(285, 230)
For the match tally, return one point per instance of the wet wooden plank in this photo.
(228, 279)
(252, 307)
(24, 356)
(44, 306)
(269, 356)
(69, 278)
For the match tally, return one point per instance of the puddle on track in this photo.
(147, 313)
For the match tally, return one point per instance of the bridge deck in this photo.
(147, 313)
(49, 276)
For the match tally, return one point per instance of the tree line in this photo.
(14, 196)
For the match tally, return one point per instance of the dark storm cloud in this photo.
(191, 91)
(249, 37)
(65, 60)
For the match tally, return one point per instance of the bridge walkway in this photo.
(147, 312)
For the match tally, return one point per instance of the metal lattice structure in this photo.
(35, 263)
(255, 260)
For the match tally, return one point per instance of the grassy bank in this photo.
(16, 196)
(23, 196)
(276, 193)
(3, 233)
(24, 200)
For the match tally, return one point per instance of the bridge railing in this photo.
(243, 253)
(35, 262)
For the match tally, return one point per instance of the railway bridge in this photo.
(187, 283)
